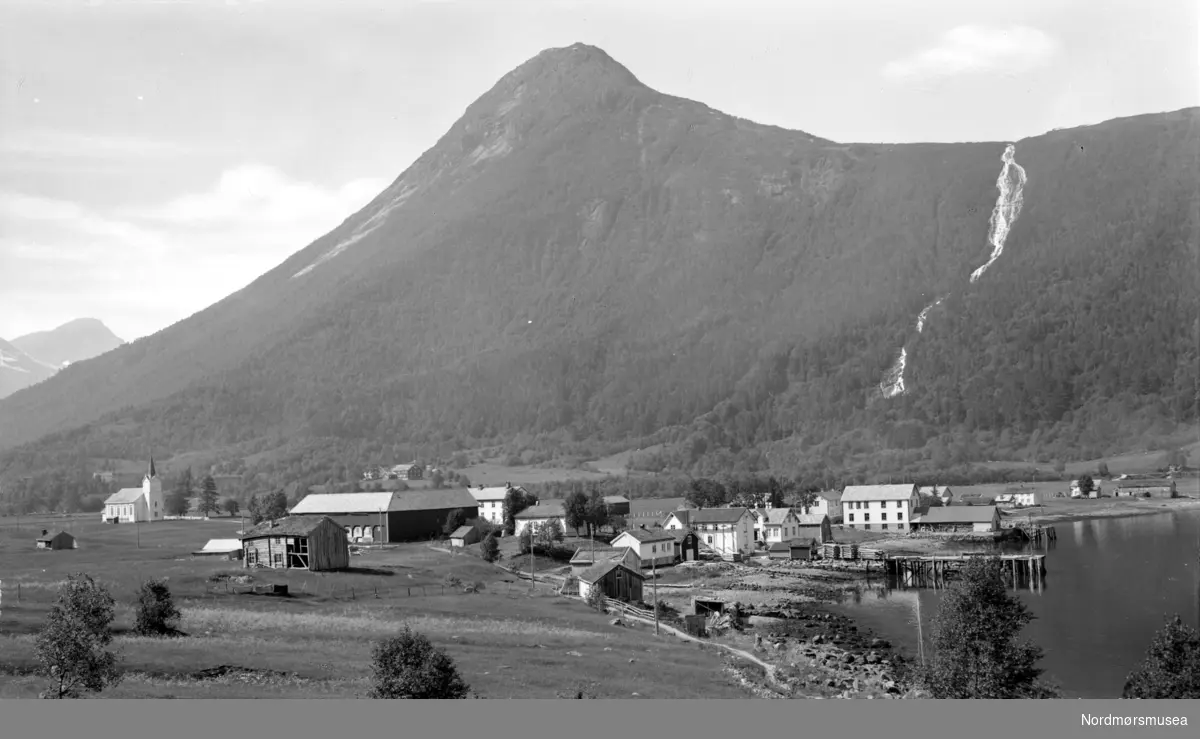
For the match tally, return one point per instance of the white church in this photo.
(128, 505)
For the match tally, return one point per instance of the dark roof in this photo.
(553, 509)
(50, 536)
(432, 500)
(461, 531)
(584, 554)
(784, 546)
(646, 536)
(716, 515)
(598, 571)
(683, 514)
(1145, 483)
(290, 526)
(679, 534)
(957, 514)
(812, 519)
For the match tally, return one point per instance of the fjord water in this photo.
(1109, 583)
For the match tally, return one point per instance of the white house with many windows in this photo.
(137, 504)
(654, 547)
(879, 507)
(723, 530)
(538, 515)
(491, 501)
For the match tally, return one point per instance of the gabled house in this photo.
(679, 519)
(879, 507)
(828, 502)
(654, 547)
(539, 514)
(725, 531)
(1164, 488)
(614, 579)
(491, 501)
(687, 544)
(411, 471)
(779, 524)
(55, 540)
(390, 516)
(464, 536)
(815, 526)
(130, 505)
(315, 543)
(801, 549)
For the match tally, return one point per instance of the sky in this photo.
(158, 155)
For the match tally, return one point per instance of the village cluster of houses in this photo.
(410, 471)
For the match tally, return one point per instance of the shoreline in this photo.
(1112, 508)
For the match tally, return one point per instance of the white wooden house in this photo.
(653, 546)
(779, 524)
(722, 530)
(538, 515)
(879, 507)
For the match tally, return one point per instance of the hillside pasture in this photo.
(508, 639)
(494, 474)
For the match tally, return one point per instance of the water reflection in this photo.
(1114, 581)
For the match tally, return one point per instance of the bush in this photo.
(156, 611)
(71, 647)
(490, 548)
(408, 666)
(595, 599)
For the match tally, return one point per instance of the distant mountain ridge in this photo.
(32, 358)
(582, 260)
(74, 341)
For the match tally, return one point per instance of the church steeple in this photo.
(150, 474)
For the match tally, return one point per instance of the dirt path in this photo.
(768, 668)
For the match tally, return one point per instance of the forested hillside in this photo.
(583, 264)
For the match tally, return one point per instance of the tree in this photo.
(705, 493)
(550, 532)
(409, 666)
(490, 548)
(72, 646)
(976, 654)
(515, 501)
(208, 497)
(438, 480)
(156, 611)
(1086, 484)
(575, 506)
(454, 519)
(178, 503)
(267, 507)
(1102, 471)
(231, 506)
(1171, 669)
(805, 499)
(597, 511)
(1060, 467)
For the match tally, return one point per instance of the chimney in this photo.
(44, 532)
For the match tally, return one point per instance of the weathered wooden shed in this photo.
(615, 579)
(55, 540)
(793, 549)
(618, 505)
(814, 526)
(297, 542)
(464, 536)
(687, 544)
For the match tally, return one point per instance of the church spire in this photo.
(150, 474)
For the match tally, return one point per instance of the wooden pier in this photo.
(1037, 534)
(1022, 570)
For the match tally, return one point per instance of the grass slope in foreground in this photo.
(506, 642)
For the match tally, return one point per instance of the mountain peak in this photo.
(579, 65)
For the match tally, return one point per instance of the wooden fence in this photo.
(622, 607)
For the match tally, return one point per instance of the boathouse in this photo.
(958, 519)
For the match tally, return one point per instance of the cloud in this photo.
(976, 49)
(46, 143)
(142, 268)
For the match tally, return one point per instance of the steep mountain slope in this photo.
(584, 256)
(19, 370)
(73, 341)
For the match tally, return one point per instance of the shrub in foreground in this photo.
(409, 666)
(72, 646)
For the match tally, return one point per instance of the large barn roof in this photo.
(409, 500)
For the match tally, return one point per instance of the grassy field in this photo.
(493, 474)
(508, 641)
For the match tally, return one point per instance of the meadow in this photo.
(510, 640)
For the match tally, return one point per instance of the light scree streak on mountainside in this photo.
(1011, 184)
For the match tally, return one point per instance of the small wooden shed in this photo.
(615, 579)
(687, 544)
(793, 549)
(55, 540)
(464, 536)
(298, 542)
